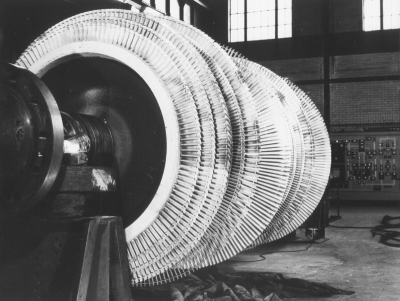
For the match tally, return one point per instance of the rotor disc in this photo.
(242, 154)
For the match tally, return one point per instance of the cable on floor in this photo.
(388, 237)
(349, 227)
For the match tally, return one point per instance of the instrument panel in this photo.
(365, 165)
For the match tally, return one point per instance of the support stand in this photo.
(105, 272)
(313, 229)
(333, 218)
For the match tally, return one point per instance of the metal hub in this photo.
(31, 144)
(36, 139)
(91, 135)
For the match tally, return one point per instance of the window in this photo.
(381, 14)
(186, 13)
(160, 5)
(174, 9)
(391, 14)
(260, 20)
(237, 20)
(284, 18)
(252, 20)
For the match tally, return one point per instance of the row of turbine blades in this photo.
(254, 150)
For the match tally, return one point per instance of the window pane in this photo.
(270, 4)
(233, 6)
(264, 33)
(374, 24)
(257, 19)
(174, 8)
(395, 6)
(396, 22)
(186, 13)
(240, 35)
(240, 21)
(160, 5)
(284, 4)
(281, 31)
(371, 14)
(288, 16)
(233, 36)
(257, 33)
(387, 22)
(237, 21)
(251, 20)
(377, 23)
(250, 34)
(281, 16)
(371, 8)
(387, 7)
(289, 30)
(286, 31)
(234, 21)
(368, 24)
(240, 7)
(271, 18)
(261, 19)
(253, 5)
(271, 30)
(264, 18)
(264, 5)
(391, 14)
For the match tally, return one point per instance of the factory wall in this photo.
(364, 88)
(368, 92)
(364, 67)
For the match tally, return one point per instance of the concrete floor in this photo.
(349, 259)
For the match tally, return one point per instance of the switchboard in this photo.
(365, 165)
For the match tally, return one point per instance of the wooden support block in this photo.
(69, 204)
(79, 204)
(86, 179)
(119, 266)
(87, 261)
(105, 272)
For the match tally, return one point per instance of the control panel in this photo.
(365, 166)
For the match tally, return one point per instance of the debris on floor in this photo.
(224, 284)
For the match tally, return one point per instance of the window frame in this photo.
(187, 9)
(276, 25)
(381, 18)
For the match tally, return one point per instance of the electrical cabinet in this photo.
(365, 165)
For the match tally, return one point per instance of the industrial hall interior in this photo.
(188, 150)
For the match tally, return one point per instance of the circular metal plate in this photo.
(31, 144)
